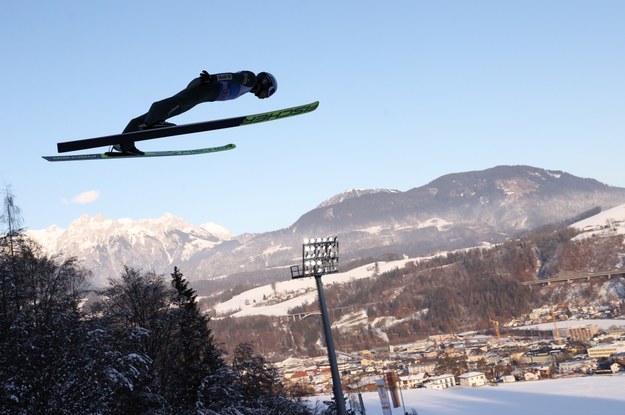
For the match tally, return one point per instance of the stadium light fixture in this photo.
(320, 256)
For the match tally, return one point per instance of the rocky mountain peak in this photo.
(352, 194)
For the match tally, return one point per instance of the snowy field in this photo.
(603, 395)
(604, 324)
(608, 222)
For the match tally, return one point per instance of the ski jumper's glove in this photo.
(206, 78)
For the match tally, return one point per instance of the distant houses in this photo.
(486, 360)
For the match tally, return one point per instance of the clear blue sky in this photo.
(409, 90)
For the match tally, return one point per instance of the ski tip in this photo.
(312, 106)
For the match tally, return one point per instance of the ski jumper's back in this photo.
(233, 85)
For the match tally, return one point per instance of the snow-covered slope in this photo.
(572, 396)
(609, 222)
(288, 294)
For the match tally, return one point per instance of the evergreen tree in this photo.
(259, 385)
(136, 308)
(255, 377)
(42, 350)
(194, 352)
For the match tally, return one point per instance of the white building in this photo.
(441, 382)
(472, 379)
(530, 376)
(579, 364)
(508, 379)
(412, 381)
(427, 367)
(606, 349)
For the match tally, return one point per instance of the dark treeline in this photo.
(143, 348)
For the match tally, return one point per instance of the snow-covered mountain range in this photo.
(105, 245)
(454, 211)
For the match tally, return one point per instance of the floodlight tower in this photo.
(320, 256)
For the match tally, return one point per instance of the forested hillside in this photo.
(453, 292)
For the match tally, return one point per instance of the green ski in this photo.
(113, 155)
(151, 134)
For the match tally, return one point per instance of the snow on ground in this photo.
(603, 324)
(572, 396)
(610, 221)
(439, 223)
(264, 300)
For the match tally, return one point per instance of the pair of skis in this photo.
(168, 132)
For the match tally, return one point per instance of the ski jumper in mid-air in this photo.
(205, 88)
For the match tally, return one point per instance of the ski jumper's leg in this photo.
(134, 124)
(195, 93)
(159, 111)
(162, 110)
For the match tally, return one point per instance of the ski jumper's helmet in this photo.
(267, 82)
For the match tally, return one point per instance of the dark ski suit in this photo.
(218, 87)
